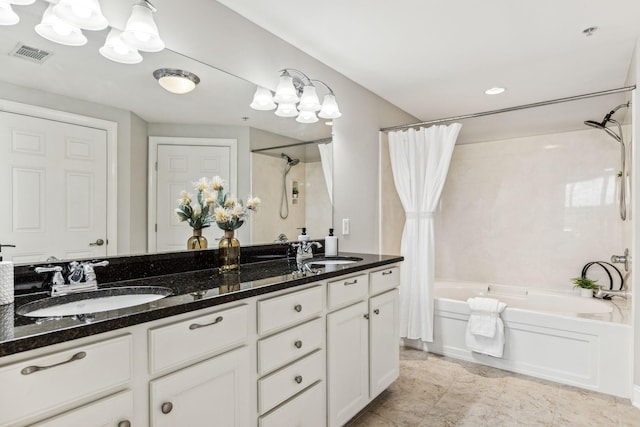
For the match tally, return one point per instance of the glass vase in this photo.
(228, 253)
(197, 241)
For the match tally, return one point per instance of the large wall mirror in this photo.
(287, 164)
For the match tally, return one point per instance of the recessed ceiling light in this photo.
(494, 91)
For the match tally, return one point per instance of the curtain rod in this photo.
(506, 110)
(317, 141)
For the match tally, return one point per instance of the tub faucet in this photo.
(604, 293)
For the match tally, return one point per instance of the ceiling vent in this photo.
(30, 53)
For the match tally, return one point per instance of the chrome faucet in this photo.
(603, 293)
(81, 277)
(304, 251)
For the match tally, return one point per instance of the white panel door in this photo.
(53, 183)
(179, 166)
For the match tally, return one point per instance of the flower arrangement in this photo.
(225, 209)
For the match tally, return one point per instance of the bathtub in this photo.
(556, 336)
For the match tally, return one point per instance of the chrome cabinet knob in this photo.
(166, 407)
(376, 311)
(298, 344)
(125, 423)
(298, 379)
(298, 308)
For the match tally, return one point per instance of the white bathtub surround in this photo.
(485, 329)
(420, 161)
(557, 336)
(531, 211)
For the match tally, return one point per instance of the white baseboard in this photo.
(635, 399)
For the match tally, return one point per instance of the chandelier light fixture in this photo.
(296, 96)
(64, 20)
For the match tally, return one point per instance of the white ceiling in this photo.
(435, 58)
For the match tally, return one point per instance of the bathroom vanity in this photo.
(265, 347)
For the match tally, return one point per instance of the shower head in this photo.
(290, 161)
(606, 120)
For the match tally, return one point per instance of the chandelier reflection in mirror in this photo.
(296, 97)
(64, 20)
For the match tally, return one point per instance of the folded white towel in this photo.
(485, 329)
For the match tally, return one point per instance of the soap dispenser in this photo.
(303, 236)
(331, 244)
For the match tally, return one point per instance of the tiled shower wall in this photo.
(528, 211)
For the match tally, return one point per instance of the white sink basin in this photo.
(333, 260)
(93, 301)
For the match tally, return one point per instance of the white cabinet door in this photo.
(384, 335)
(347, 362)
(112, 411)
(211, 393)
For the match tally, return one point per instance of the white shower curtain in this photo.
(326, 159)
(420, 162)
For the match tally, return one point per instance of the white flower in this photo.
(185, 198)
(197, 210)
(237, 211)
(209, 198)
(217, 183)
(253, 203)
(221, 214)
(230, 202)
(202, 184)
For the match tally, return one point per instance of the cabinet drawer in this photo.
(383, 280)
(286, 310)
(282, 348)
(281, 385)
(347, 290)
(59, 379)
(113, 411)
(190, 339)
(306, 410)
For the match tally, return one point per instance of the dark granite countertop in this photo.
(191, 290)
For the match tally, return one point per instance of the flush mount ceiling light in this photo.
(55, 29)
(81, 13)
(176, 81)
(495, 91)
(141, 31)
(589, 31)
(296, 96)
(117, 50)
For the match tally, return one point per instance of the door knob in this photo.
(166, 407)
(98, 242)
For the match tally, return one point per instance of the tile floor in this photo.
(443, 392)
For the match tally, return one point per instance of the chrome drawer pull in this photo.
(376, 311)
(166, 407)
(351, 283)
(197, 325)
(298, 344)
(125, 423)
(31, 369)
(366, 316)
(298, 379)
(384, 273)
(298, 308)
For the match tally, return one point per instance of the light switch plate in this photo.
(345, 226)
